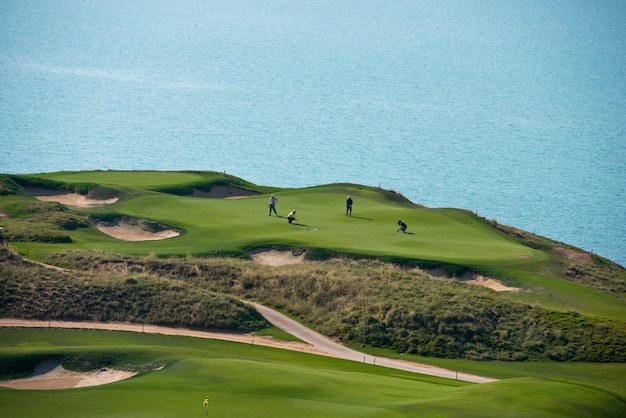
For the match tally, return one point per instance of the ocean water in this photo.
(514, 110)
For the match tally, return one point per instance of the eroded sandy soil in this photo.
(67, 198)
(51, 375)
(275, 257)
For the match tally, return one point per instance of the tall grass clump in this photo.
(31, 291)
(370, 303)
(32, 220)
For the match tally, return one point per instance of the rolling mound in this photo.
(224, 192)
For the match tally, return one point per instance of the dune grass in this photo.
(356, 301)
(211, 227)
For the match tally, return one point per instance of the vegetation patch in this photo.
(411, 312)
(9, 187)
(116, 293)
(360, 282)
(35, 221)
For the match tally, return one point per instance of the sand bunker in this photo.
(132, 231)
(491, 284)
(224, 192)
(67, 198)
(275, 257)
(476, 279)
(51, 375)
(573, 255)
(271, 257)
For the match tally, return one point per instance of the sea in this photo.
(513, 109)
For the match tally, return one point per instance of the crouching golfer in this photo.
(402, 227)
(292, 216)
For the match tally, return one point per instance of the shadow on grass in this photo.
(295, 223)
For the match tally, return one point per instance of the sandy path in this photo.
(315, 343)
(337, 350)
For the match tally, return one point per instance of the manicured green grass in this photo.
(243, 380)
(132, 179)
(609, 377)
(559, 294)
(224, 224)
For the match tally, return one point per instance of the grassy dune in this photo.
(570, 303)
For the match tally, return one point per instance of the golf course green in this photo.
(174, 248)
(225, 224)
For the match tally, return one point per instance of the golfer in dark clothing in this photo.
(349, 206)
(402, 227)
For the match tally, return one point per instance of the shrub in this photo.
(363, 302)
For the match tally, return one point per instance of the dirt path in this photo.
(314, 342)
(337, 350)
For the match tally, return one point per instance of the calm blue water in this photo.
(515, 110)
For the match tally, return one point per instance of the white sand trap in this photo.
(67, 198)
(476, 279)
(129, 232)
(51, 375)
(275, 257)
(491, 284)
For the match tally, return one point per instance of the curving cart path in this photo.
(334, 349)
(315, 343)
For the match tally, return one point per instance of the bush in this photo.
(10, 187)
(362, 302)
(32, 291)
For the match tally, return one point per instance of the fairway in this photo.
(243, 380)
